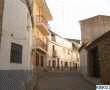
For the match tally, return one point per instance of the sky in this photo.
(67, 14)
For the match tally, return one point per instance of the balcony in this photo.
(41, 45)
(42, 24)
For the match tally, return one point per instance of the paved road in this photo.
(64, 81)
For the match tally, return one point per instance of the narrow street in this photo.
(54, 45)
(64, 81)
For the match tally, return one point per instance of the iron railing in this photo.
(41, 44)
(41, 19)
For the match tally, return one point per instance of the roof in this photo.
(88, 45)
(70, 40)
(55, 34)
(93, 18)
(106, 35)
(76, 42)
(73, 40)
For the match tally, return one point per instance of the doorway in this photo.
(42, 61)
(37, 59)
(53, 63)
(93, 62)
(58, 63)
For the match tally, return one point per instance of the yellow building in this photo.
(41, 15)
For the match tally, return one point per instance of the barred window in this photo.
(16, 53)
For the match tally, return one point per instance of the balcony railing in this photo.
(42, 23)
(41, 19)
(41, 44)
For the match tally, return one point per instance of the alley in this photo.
(64, 81)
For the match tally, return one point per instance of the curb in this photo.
(91, 81)
(94, 83)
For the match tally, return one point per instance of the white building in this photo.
(15, 46)
(61, 53)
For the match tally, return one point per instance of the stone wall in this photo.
(104, 56)
(103, 44)
(14, 79)
(94, 27)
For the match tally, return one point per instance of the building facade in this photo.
(76, 46)
(62, 55)
(98, 58)
(40, 33)
(92, 29)
(15, 44)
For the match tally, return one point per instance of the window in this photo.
(53, 37)
(16, 53)
(58, 64)
(54, 51)
(53, 63)
(61, 62)
(53, 47)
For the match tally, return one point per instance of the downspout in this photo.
(1, 18)
(30, 9)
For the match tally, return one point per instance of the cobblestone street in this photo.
(64, 81)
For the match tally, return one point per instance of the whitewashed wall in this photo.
(15, 21)
(83, 62)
